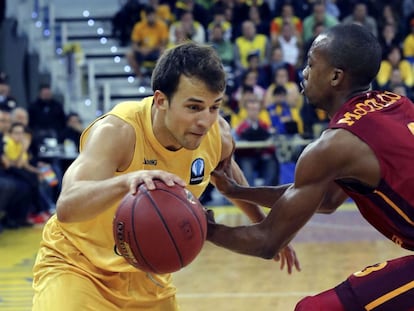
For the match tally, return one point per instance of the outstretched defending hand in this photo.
(287, 256)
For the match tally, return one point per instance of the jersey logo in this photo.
(150, 162)
(197, 171)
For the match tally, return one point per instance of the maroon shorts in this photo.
(387, 286)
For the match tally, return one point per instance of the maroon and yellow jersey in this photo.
(384, 121)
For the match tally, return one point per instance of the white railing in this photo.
(286, 145)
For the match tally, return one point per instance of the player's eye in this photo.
(194, 107)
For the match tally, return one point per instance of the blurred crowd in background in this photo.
(263, 46)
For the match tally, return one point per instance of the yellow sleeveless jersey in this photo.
(93, 240)
(246, 47)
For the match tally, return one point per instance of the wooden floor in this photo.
(330, 247)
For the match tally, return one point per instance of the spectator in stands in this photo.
(193, 29)
(179, 36)
(315, 121)
(389, 15)
(291, 45)
(256, 162)
(250, 79)
(281, 78)
(408, 44)
(401, 89)
(49, 190)
(247, 95)
(46, 115)
(285, 119)
(360, 16)
(396, 80)
(148, 40)
(319, 15)
(223, 46)
(388, 38)
(7, 101)
(394, 60)
(162, 10)
(407, 9)
(70, 139)
(302, 8)
(72, 131)
(12, 197)
(318, 28)
(263, 7)
(21, 115)
(277, 61)
(18, 166)
(332, 8)
(346, 7)
(240, 14)
(198, 12)
(261, 24)
(219, 18)
(124, 20)
(287, 16)
(251, 42)
(264, 76)
(6, 120)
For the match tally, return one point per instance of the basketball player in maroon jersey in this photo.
(367, 153)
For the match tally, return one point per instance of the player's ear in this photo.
(160, 100)
(337, 76)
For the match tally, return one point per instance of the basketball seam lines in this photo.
(135, 236)
(186, 203)
(166, 226)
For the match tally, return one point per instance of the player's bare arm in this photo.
(252, 210)
(313, 181)
(334, 197)
(89, 186)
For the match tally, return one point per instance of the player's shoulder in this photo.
(335, 140)
(110, 128)
(336, 146)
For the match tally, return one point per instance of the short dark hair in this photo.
(17, 124)
(148, 9)
(72, 114)
(279, 90)
(191, 60)
(353, 48)
(247, 89)
(44, 86)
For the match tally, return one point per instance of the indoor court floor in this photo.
(330, 247)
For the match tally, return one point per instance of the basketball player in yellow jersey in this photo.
(176, 136)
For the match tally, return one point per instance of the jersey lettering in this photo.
(411, 127)
(369, 105)
(370, 269)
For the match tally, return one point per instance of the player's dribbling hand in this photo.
(148, 177)
(287, 256)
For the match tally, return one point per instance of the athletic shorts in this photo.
(61, 286)
(388, 286)
(70, 292)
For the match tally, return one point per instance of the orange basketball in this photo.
(161, 230)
